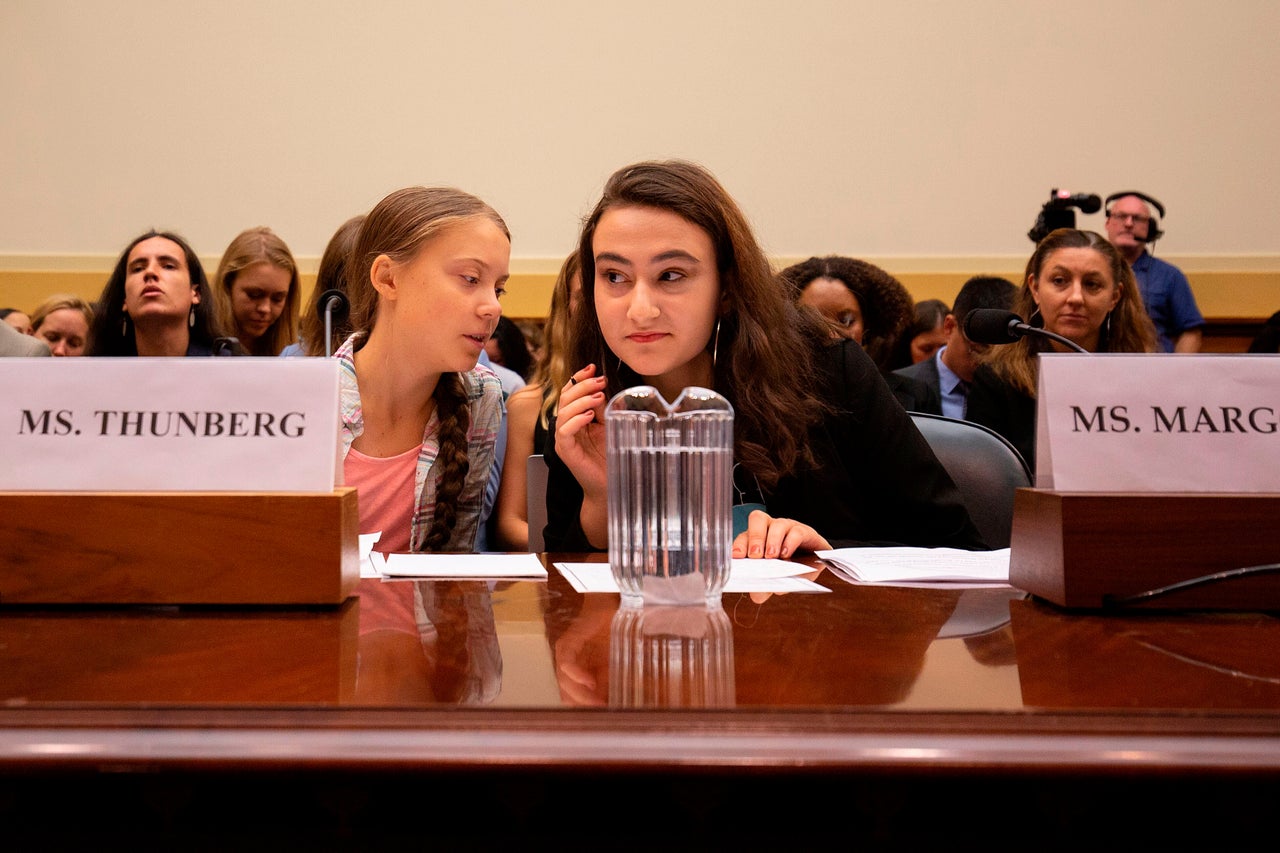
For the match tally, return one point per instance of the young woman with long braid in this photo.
(419, 417)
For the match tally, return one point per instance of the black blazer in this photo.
(996, 404)
(922, 374)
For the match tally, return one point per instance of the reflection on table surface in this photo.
(542, 645)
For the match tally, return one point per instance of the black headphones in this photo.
(1153, 227)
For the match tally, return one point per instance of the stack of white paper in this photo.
(755, 575)
(903, 566)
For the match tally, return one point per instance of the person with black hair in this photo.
(923, 337)
(950, 370)
(509, 348)
(860, 300)
(16, 318)
(157, 302)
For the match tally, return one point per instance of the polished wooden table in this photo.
(891, 713)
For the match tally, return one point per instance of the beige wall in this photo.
(920, 135)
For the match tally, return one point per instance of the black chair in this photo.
(985, 467)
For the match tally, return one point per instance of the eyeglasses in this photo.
(1138, 218)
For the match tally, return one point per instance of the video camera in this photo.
(1058, 213)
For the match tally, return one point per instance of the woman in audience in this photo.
(859, 300)
(1076, 285)
(677, 292)
(509, 348)
(530, 409)
(15, 344)
(63, 322)
(156, 302)
(331, 275)
(923, 337)
(256, 291)
(419, 418)
(532, 329)
(16, 319)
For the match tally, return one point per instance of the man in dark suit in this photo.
(951, 368)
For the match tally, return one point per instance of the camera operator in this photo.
(1165, 290)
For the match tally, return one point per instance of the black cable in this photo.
(1138, 598)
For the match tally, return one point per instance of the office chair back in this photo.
(986, 468)
(536, 482)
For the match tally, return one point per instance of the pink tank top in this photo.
(385, 495)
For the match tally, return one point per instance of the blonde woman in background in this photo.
(62, 321)
(529, 410)
(256, 292)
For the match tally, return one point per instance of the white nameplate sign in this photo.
(169, 424)
(1158, 423)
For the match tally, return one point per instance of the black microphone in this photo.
(1087, 202)
(228, 346)
(997, 326)
(335, 306)
(1153, 233)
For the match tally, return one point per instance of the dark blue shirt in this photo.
(1168, 297)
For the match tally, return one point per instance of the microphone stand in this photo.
(335, 305)
(1022, 329)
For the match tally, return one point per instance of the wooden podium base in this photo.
(1095, 550)
(276, 548)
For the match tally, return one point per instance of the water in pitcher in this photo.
(670, 495)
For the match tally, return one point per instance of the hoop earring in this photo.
(191, 318)
(715, 346)
(124, 326)
(1035, 319)
(1106, 327)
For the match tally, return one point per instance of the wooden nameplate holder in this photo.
(1094, 550)
(228, 548)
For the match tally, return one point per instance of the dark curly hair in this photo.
(887, 306)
